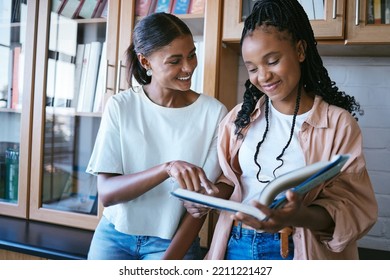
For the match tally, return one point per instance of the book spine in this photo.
(142, 7)
(10, 77)
(88, 8)
(12, 173)
(197, 7)
(70, 8)
(100, 9)
(64, 82)
(83, 78)
(180, 7)
(50, 85)
(386, 11)
(77, 74)
(163, 6)
(91, 78)
(308, 7)
(101, 82)
(2, 175)
(383, 11)
(56, 5)
(370, 12)
(15, 79)
(377, 12)
(319, 9)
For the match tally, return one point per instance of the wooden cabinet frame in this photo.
(359, 32)
(332, 27)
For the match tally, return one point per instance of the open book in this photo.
(300, 181)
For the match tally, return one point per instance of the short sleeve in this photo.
(106, 155)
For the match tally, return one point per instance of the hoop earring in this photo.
(149, 72)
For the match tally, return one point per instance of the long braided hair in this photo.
(289, 16)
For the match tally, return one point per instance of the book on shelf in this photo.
(162, 6)
(143, 7)
(101, 81)
(71, 8)
(6, 58)
(273, 195)
(64, 81)
(15, 78)
(5, 20)
(104, 12)
(318, 9)
(91, 76)
(15, 10)
(370, 12)
(50, 84)
(77, 74)
(385, 11)
(308, 6)
(88, 9)
(63, 34)
(197, 7)
(180, 7)
(83, 77)
(100, 8)
(377, 12)
(56, 5)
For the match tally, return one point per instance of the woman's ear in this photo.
(143, 61)
(301, 48)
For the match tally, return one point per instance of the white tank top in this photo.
(276, 139)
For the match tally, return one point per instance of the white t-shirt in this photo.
(136, 134)
(276, 139)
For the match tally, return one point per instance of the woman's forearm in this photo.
(116, 188)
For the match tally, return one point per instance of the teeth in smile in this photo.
(184, 78)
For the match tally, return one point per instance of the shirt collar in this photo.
(317, 118)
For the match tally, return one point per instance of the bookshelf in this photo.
(66, 83)
(16, 83)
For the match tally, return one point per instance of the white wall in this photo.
(368, 79)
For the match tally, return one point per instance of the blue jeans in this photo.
(247, 244)
(110, 244)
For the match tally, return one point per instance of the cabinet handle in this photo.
(108, 65)
(118, 82)
(334, 9)
(119, 76)
(357, 15)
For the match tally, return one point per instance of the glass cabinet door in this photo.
(326, 16)
(70, 92)
(17, 39)
(369, 22)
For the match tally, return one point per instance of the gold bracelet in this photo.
(171, 164)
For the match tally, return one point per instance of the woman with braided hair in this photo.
(153, 138)
(292, 115)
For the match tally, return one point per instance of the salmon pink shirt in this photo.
(349, 199)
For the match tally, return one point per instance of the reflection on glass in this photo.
(13, 16)
(68, 146)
